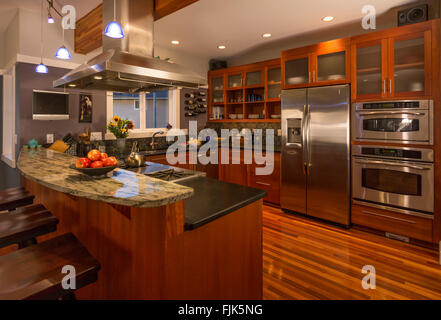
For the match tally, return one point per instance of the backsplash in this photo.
(110, 146)
(249, 125)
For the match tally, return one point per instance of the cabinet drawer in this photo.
(393, 222)
(273, 191)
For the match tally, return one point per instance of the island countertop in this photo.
(121, 187)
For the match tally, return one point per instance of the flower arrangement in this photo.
(119, 127)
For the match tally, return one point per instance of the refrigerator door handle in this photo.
(304, 141)
(308, 133)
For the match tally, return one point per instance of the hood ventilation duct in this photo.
(128, 64)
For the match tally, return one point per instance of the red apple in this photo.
(110, 162)
(94, 155)
(97, 164)
(104, 156)
(82, 163)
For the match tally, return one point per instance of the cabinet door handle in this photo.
(309, 76)
(314, 79)
(384, 86)
(263, 184)
(384, 216)
(390, 86)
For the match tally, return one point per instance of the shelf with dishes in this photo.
(251, 93)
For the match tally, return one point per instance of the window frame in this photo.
(173, 114)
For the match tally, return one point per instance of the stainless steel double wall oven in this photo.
(396, 178)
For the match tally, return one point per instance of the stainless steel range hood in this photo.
(128, 64)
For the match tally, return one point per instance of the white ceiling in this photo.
(239, 24)
(8, 7)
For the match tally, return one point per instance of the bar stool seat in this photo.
(23, 225)
(36, 272)
(11, 199)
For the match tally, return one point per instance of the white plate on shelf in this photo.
(232, 116)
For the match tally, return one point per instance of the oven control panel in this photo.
(392, 153)
(398, 153)
(403, 104)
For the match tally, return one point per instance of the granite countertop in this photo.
(214, 199)
(51, 169)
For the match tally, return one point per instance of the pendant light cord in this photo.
(41, 35)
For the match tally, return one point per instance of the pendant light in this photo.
(62, 52)
(114, 29)
(41, 68)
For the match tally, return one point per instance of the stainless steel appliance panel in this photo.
(328, 141)
(407, 121)
(390, 181)
(293, 174)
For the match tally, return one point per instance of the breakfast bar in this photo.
(142, 230)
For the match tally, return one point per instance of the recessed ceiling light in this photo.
(72, 85)
(98, 78)
(221, 47)
(175, 42)
(328, 18)
(267, 35)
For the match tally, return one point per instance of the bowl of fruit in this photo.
(96, 164)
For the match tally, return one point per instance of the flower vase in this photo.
(121, 146)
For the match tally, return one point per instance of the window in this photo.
(148, 111)
(123, 107)
(157, 108)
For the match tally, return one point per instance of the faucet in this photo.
(154, 144)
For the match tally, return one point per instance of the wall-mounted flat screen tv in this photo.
(50, 105)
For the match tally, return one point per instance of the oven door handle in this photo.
(392, 164)
(368, 113)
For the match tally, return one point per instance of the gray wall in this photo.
(273, 49)
(27, 81)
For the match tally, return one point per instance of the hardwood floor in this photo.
(305, 259)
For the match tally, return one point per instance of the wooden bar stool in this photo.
(23, 225)
(36, 272)
(11, 199)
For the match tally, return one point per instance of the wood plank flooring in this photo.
(306, 259)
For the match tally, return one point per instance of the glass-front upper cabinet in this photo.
(331, 66)
(395, 65)
(274, 89)
(217, 89)
(409, 74)
(234, 81)
(297, 71)
(369, 70)
(254, 78)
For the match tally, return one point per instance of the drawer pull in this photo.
(263, 184)
(384, 216)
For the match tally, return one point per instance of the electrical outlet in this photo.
(50, 138)
(279, 132)
(96, 136)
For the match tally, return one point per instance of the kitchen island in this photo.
(154, 239)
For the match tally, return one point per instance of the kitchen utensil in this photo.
(135, 160)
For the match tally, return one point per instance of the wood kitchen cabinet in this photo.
(393, 222)
(269, 183)
(394, 63)
(234, 173)
(247, 93)
(245, 174)
(326, 63)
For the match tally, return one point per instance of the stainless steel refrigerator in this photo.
(315, 177)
